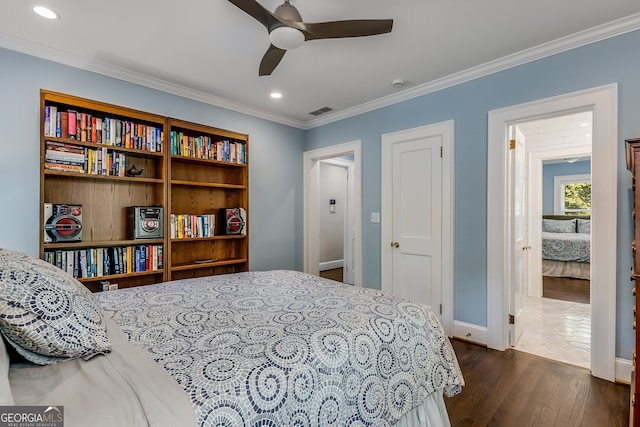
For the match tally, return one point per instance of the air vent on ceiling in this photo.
(321, 110)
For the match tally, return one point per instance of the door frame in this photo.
(311, 223)
(349, 217)
(444, 129)
(604, 163)
(534, 180)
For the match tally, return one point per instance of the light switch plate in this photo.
(375, 216)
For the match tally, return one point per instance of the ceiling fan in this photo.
(287, 31)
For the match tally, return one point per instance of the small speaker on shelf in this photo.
(234, 220)
(62, 223)
(145, 222)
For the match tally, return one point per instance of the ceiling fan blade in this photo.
(259, 13)
(341, 29)
(270, 60)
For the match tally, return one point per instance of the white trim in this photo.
(604, 164)
(470, 332)
(330, 265)
(534, 235)
(624, 367)
(582, 38)
(338, 162)
(559, 182)
(311, 161)
(446, 129)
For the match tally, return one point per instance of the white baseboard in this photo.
(470, 332)
(623, 370)
(330, 265)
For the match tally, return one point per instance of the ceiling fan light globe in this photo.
(286, 38)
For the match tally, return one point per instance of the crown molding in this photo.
(583, 38)
(77, 61)
(602, 32)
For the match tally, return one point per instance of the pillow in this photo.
(6, 397)
(584, 226)
(47, 315)
(559, 225)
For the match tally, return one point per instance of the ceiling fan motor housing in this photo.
(287, 12)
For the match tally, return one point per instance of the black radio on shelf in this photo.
(145, 222)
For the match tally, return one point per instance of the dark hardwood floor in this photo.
(513, 389)
(566, 289)
(333, 274)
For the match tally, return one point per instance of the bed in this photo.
(273, 348)
(566, 246)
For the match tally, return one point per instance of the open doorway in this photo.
(312, 161)
(556, 312)
(336, 217)
(602, 101)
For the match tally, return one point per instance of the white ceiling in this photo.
(210, 50)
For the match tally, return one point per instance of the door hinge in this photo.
(441, 152)
(512, 144)
(512, 319)
(440, 308)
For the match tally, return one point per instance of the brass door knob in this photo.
(395, 244)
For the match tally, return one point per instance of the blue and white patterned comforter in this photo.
(284, 348)
(566, 246)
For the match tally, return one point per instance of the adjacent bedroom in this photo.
(557, 309)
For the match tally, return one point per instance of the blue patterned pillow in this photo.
(559, 225)
(47, 315)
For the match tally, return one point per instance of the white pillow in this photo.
(559, 225)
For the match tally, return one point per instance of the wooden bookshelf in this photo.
(183, 182)
(205, 177)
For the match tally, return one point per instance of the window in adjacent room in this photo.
(573, 194)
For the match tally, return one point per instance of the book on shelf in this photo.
(188, 226)
(88, 127)
(204, 147)
(95, 161)
(102, 262)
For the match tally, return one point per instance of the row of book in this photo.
(85, 127)
(204, 147)
(100, 262)
(72, 158)
(187, 226)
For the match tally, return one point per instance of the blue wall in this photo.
(276, 156)
(275, 152)
(550, 171)
(609, 61)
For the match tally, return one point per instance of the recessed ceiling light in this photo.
(276, 95)
(45, 12)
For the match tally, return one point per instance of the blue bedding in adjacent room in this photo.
(566, 246)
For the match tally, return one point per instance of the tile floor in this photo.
(558, 330)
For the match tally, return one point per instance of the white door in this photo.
(416, 211)
(349, 272)
(519, 248)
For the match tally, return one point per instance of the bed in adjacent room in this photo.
(566, 246)
(256, 348)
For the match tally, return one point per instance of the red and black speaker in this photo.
(234, 220)
(62, 223)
